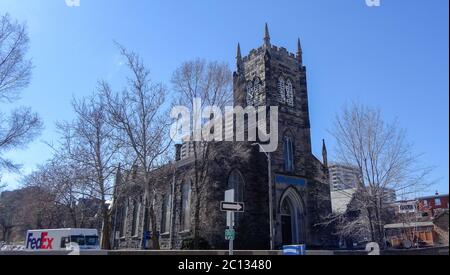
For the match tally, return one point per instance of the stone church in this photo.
(268, 75)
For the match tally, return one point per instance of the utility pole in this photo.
(269, 171)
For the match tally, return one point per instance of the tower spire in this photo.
(266, 36)
(324, 154)
(299, 51)
(238, 55)
(239, 58)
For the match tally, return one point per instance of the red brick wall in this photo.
(431, 203)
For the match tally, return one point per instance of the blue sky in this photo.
(394, 57)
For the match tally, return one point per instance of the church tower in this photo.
(273, 76)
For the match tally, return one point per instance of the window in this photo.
(258, 92)
(425, 203)
(186, 206)
(250, 94)
(79, 239)
(92, 240)
(165, 223)
(257, 86)
(288, 154)
(281, 91)
(437, 202)
(285, 92)
(289, 94)
(255, 93)
(407, 208)
(236, 182)
(123, 228)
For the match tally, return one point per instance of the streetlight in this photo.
(269, 162)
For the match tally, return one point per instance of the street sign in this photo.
(232, 206)
(230, 234)
(229, 197)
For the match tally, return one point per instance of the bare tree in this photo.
(95, 153)
(22, 125)
(24, 209)
(139, 117)
(212, 83)
(386, 163)
(16, 131)
(63, 181)
(9, 218)
(2, 185)
(15, 70)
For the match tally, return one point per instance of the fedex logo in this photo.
(43, 242)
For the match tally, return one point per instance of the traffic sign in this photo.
(232, 206)
(230, 234)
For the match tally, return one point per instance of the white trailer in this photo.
(62, 239)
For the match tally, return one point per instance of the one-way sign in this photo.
(232, 206)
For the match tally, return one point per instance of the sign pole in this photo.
(231, 227)
(229, 197)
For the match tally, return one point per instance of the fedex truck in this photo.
(62, 239)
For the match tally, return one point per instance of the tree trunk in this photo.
(155, 238)
(197, 222)
(369, 216)
(7, 234)
(382, 241)
(73, 216)
(4, 232)
(106, 236)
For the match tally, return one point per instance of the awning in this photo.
(408, 225)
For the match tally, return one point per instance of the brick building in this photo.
(432, 203)
(423, 221)
(425, 207)
(268, 76)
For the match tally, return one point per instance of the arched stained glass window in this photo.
(165, 222)
(250, 94)
(186, 206)
(257, 92)
(236, 182)
(288, 147)
(289, 94)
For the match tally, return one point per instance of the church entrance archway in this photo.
(292, 215)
